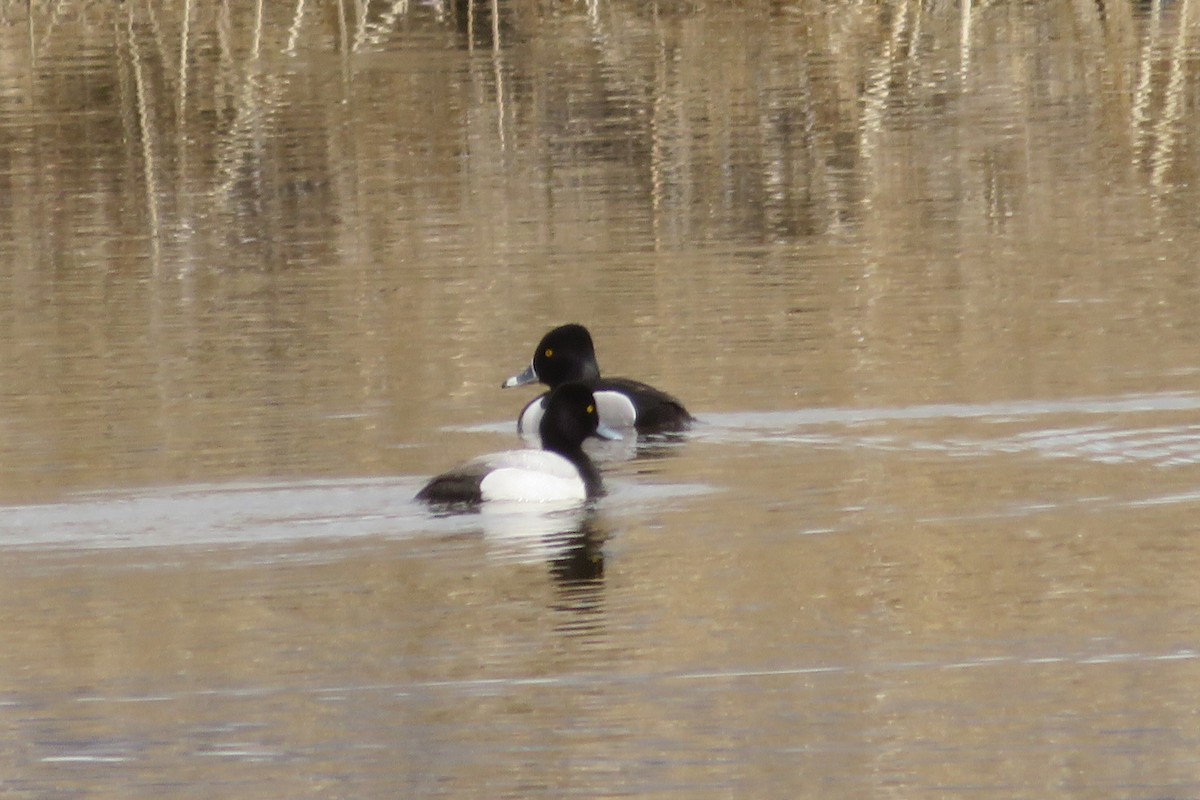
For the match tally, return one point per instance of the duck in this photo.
(567, 353)
(559, 472)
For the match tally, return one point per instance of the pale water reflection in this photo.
(925, 272)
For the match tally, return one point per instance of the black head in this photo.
(566, 354)
(570, 417)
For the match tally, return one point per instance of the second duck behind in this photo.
(565, 354)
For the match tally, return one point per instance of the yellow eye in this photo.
(549, 352)
(591, 409)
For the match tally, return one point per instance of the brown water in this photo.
(927, 274)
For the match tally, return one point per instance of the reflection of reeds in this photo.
(293, 37)
(498, 73)
(147, 130)
(1143, 93)
(1167, 127)
(236, 60)
(374, 33)
(879, 79)
(184, 46)
(256, 48)
(1158, 105)
(964, 34)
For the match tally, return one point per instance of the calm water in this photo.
(927, 274)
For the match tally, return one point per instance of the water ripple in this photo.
(985, 429)
(499, 685)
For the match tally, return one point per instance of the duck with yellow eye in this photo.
(560, 472)
(567, 354)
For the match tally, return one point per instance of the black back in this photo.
(461, 485)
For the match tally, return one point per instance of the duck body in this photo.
(567, 353)
(559, 472)
(624, 404)
(521, 476)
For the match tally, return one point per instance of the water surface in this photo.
(926, 275)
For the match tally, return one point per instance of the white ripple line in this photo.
(475, 684)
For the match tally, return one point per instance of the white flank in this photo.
(532, 476)
(616, 410)
(531, 418)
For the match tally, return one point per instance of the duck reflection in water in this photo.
(578, 573)
(571, 545)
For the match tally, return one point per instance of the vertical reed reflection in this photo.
(147, 131)
(890, 49)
